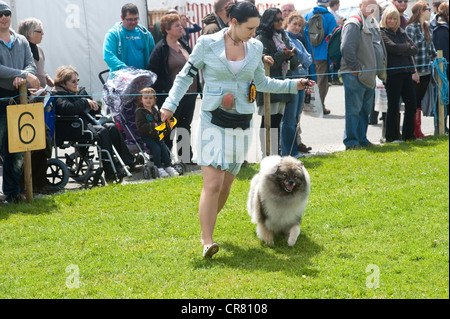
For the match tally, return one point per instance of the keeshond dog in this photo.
(278, 197)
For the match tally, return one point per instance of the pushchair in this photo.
(120, 92)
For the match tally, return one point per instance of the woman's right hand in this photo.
(165, 115)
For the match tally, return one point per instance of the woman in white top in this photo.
(231, 61)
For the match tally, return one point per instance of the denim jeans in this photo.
(289, 123)
(12, 163)
(358, 104)
(159, 150)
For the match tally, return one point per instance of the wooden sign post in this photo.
(26, 133)
(267, 120)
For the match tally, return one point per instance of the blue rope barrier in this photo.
(306, 75)
(441, 91)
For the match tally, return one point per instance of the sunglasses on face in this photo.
(5, 13)
(401, 1)
(75, 81)
(278, 20)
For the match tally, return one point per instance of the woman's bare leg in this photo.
(216, 188)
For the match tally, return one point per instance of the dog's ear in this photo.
(269, 165)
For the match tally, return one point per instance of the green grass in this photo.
(386, 206)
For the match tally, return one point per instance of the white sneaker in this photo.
(162, 173)
(171, 171)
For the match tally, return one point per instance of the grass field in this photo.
(377, 226)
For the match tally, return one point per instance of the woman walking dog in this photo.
(233, 70)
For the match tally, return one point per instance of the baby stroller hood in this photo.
(123, 86)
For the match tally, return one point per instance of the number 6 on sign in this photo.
(26, 127)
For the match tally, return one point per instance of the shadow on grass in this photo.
(430, 141)
(39, 206)
(293, 261)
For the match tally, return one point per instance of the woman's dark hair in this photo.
(266, 25)
(241, 11)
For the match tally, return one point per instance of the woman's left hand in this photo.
(165, 115)
(302, 83)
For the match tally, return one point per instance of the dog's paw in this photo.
(269, 241)
(265, 235)
(293, 235)
(291, 242)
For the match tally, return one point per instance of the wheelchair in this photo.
(84, 160)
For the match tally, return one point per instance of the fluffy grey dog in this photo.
(278, 197)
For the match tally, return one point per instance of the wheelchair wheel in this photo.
(93, 181)
(57, 174)
(78, 167)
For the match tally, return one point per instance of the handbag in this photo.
(381, 101)
(314, 108)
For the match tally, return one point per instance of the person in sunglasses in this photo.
(70, 99)
(286, 60)
(128, 43)
(401, 6)
(32, 29)
(16, 68)
(418, 29)
(232, 65)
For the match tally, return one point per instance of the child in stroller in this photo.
(147, 118)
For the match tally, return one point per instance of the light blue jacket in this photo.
(209, 55)
(115, 49)
(303, 55)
